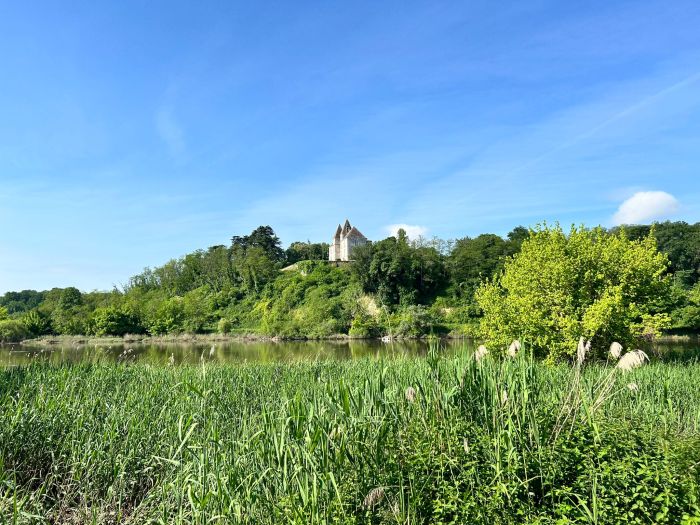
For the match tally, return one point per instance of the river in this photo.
(268, 351)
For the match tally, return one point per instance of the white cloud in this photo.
(412, 230)
(646, 206)
(170, 131)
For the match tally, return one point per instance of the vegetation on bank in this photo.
(434, 440)
(395, 287)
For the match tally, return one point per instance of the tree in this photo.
(306, 251)
(590, 283)
(681, 242)
(37, 323)
(254, 267)
(70, 297)
(473, 260)
(217, 268)
(12, 331)
(262, 237)
(18, 302)
(114, 320)
(398, 272)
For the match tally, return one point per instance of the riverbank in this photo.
(433, 440)
(202, 339)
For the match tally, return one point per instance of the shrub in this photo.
(37, 323)
(224, 326)
(364, 326)
(589, 283)
(412, 321)
(168, 317)
(114, 320)
(12, 331)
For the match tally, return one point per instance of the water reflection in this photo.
(268, 351)
(259, 351)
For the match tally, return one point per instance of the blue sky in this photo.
(135, 132)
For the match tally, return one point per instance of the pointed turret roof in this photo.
(346, 227)
(338, 232)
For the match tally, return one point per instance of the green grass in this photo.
(341, 442)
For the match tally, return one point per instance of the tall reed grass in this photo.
(434, 440)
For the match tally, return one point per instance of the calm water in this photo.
(269, 351)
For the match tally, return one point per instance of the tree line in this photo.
(394, 286)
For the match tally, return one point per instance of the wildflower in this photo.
(514, 348)
(632, 360)
(171, 360)
(480, 353)
(632, 387)
(212, 350)
(465, 444)
(615, 350)
(373, 498)
(504, 396)
(335, 433)
(410, 394)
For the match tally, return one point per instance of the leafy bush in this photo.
(224, 326)
(37, 323)
(411, 321)
(12, 331)
(168, 318)
(114, 320)
(364, 326)
(590, 283)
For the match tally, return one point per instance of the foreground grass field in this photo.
(434, 440)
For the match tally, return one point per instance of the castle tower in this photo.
(346, 238)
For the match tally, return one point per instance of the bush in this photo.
(590, 283)
(168, 318)
(37, 323)
(114, 320)
(364, 326)
(412, 321)
(12, 331)
(224, 326)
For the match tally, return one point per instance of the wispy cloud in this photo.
(170, 131)
(645, 206)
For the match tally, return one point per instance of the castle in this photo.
(344, 241)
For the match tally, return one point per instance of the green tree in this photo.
(12, 331)
(306, 251)
(397, 272)
(114, 320)
(254, 268)
(263, 238)
(37, 323)
(70, 297)
(168, 317)
(18, 302)
(590, 283)
(687, 317)
(681, 242)
(474, 259)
